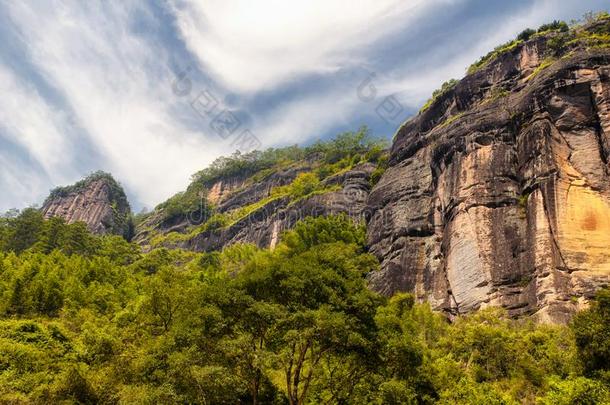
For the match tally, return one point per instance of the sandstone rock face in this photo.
(98, 201)
(499, 193)
(264, 225)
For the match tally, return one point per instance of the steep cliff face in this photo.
(254, 214)
(499, 192)
(256, 206)
(496, 193)
(98, 200)
(264, 225)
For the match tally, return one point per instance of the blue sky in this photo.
(153, 91)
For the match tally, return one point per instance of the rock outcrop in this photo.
(98, 200)
(496, 193)
(346, 193)
(499, 192)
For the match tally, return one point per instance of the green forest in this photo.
(88, 319)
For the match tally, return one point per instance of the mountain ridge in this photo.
(469, 207)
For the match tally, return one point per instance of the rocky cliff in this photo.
(498, 193)
(257, 207)
(98, 200)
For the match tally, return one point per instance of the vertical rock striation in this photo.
(98, 200)
(499, 192)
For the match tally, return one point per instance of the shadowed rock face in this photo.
(98, 201)
(499, 193)
(264, 225)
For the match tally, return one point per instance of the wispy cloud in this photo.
(250, 46)
(118, 85)
(87, 85)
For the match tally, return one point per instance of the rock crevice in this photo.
(512, 190)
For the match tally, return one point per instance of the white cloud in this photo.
(27, 120)
(115, 78)
(118, 85)
(251, 46)
(24, 184)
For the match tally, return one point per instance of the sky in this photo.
(153, 91)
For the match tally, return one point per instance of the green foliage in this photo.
(247, 164)
(543, 65)
(22, 231)
(495, 94)
(29, 231)
(382, 165)
(592, 330)
(295, 325)
(343, 145)
(526, 34)
(523, 198)
(450, 119)
(596, 34)
(187, 202)
(579, 390)
(346, 145)
(316, 231)
(556, 25)
(305, 183)
(445, 87)
(499, 50)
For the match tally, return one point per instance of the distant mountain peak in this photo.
(98, 200)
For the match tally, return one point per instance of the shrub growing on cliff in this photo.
(526, 34)
(445, 87)
(497, 51)
(556, 25)
(343, 145)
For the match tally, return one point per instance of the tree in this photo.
(78, 240)
(51, 236)
(316, 275)
(248, 351)
(165, 295)
(591, 328)
(24, 230)
(526, 34)
(17, 301)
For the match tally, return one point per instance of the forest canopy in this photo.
(86, 319)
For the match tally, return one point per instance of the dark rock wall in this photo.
(499, 193)
(264, 226)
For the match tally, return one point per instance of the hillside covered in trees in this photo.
(91, 319)
(218, 296)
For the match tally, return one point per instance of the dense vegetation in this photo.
(323, 158)
(87, 319)
(347, 144)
